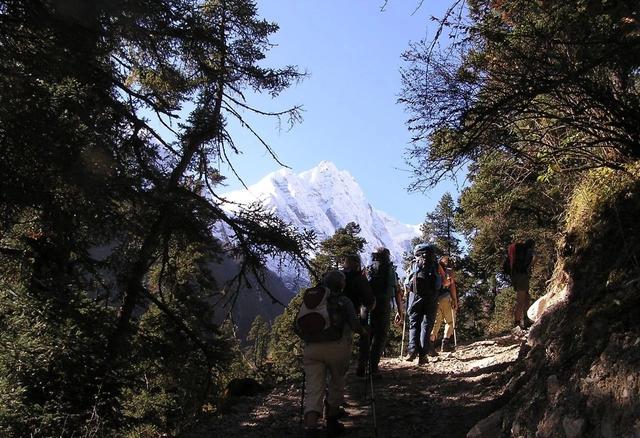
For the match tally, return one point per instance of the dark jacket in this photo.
(357, 289)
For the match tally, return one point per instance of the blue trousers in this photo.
(422, 313)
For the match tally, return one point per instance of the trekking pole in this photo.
(304, 382)
(404, 320)
(455, 338)
(373, 400)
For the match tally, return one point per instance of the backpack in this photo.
(517, 260)
(351, 289)
(521, 262)
(506, 266)
(426, 280)
(378, 273)
(319, 318)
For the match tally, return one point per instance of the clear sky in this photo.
(352, 52)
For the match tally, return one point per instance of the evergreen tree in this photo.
(527, 97)
(105, 219)
(333, 250)
(552, 84)
(285, 347)
(440, 227)
(259, 334)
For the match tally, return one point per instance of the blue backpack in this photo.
(426, 280)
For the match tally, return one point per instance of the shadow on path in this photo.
(447, 397)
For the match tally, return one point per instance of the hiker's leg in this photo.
(448, 343)
(380, 326)
(363, 353)
(520, 282)
(430, 309)
(337, 359)
(425, 329)
(315, 375)
(364, 344)
(447, 314)
(521, 299)
(415, 320)
(438, 323)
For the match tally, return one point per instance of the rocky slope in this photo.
(581, 377)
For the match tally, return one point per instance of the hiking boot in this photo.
(411, 357)
(311, 433)
(334, 427)
(525, 323)
(423, 359)
(342, 412)
(431, 350)
(447, 345)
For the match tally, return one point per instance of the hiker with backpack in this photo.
(326, 321)
(517, 266)
(424, 282)
(447, 306)
(382, 280)
(357, 289)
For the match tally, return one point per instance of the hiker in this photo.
(424, 280)
(357, 289)
(447, 306)
(326, 350)
(382, 279)
(517, 266)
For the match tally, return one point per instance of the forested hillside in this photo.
(115, 120)
(539, 101)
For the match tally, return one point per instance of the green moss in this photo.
(595, 193)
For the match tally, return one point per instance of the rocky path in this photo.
(447, 397)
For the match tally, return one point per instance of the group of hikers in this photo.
(356, 300)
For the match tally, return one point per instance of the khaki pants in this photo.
(445, 312)
(318, 359)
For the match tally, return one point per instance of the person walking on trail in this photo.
(326, 356)
(424, 282)
(447, 306)
(517, 266)
(382, 280)
(357, 289)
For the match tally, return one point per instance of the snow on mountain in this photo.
(324, 199)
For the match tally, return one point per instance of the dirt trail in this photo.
(444, 398)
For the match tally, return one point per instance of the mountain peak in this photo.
(324, 199)
(326, 166)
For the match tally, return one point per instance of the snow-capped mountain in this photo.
(324, 199)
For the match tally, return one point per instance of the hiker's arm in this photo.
(399, 304)
(399, 300)
(453, 291)
(368, 299)
(352, 319)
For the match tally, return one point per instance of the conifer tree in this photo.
(285, 347)
(440, 227)
(114, 119)
(345, 241)
(259, 336)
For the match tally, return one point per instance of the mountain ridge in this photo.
(324, 199)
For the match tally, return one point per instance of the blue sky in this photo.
(352, 52)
